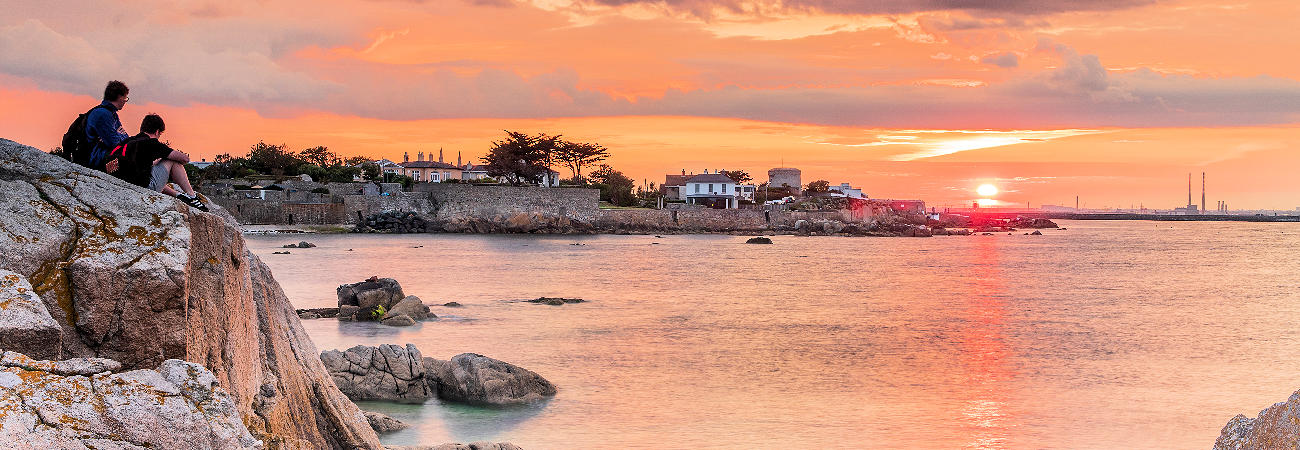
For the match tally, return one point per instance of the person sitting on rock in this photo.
(144, 161)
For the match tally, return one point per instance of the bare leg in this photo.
(179, 176)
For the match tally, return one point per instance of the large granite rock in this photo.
(24, 321)
(1277, 426)
(387, 372)
(139, 277)
(82, 405)
(477, 379)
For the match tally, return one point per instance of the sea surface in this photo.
(1106, 335)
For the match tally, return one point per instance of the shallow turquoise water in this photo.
(1106, 335)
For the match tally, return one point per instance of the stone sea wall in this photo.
(454, 199)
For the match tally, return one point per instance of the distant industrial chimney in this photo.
(1202, 192)
(1189, 190)
(458, 158)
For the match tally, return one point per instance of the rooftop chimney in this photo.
(406, 156)
(420, 157)
(439, 154)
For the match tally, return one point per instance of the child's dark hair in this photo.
(152, 123)
(115, 90)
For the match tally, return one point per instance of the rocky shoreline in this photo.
(130, 320)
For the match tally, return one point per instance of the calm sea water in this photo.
(1106, 335)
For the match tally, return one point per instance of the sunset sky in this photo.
(1111, 100)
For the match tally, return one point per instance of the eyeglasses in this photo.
(125, 99)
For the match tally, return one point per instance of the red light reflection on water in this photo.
(985, 353)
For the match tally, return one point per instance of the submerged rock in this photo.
(178, 405)
(477, 379)
(1277, 426)
(555, 301)
(759, 240)
(387, 372)
(140, 278)
(471, 446)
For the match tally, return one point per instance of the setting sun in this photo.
(987, 190)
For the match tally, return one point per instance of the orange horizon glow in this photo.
(1047, 103)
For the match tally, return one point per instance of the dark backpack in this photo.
(76, 146)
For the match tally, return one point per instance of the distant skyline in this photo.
(1111, 100)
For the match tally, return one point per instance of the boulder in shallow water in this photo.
(398, 321)
(387, 372)
(1277, 426)
(375, 292)
(759, 240)
(409, 306)
(476, 379)
(384, 424)
(24, 321)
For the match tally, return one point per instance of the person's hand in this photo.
(111, 166)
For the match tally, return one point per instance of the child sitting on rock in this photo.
(144, 161)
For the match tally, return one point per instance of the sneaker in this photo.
(193, 201)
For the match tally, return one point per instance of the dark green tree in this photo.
(576, 155)
(272, 159)
(520, 158)
(819, 186)
(320, 156)
(740, 176)
(615, 187)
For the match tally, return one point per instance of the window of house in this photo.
(697, 188)
(710, 188)
(724, 188)
(417, 175)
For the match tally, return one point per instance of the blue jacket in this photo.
(106, 131)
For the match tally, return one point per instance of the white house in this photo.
(847, 191)
(714, 190)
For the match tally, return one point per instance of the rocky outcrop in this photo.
(24, 321)
(384, 424)
(138, 277)
(759, 240)
(1277, 426)
(367, 296)
(79, 403)
(476, 379)
(387, 372)
(395, 373)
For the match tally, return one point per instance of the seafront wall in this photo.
(485, 209)
(454, 199)
(710, 219)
